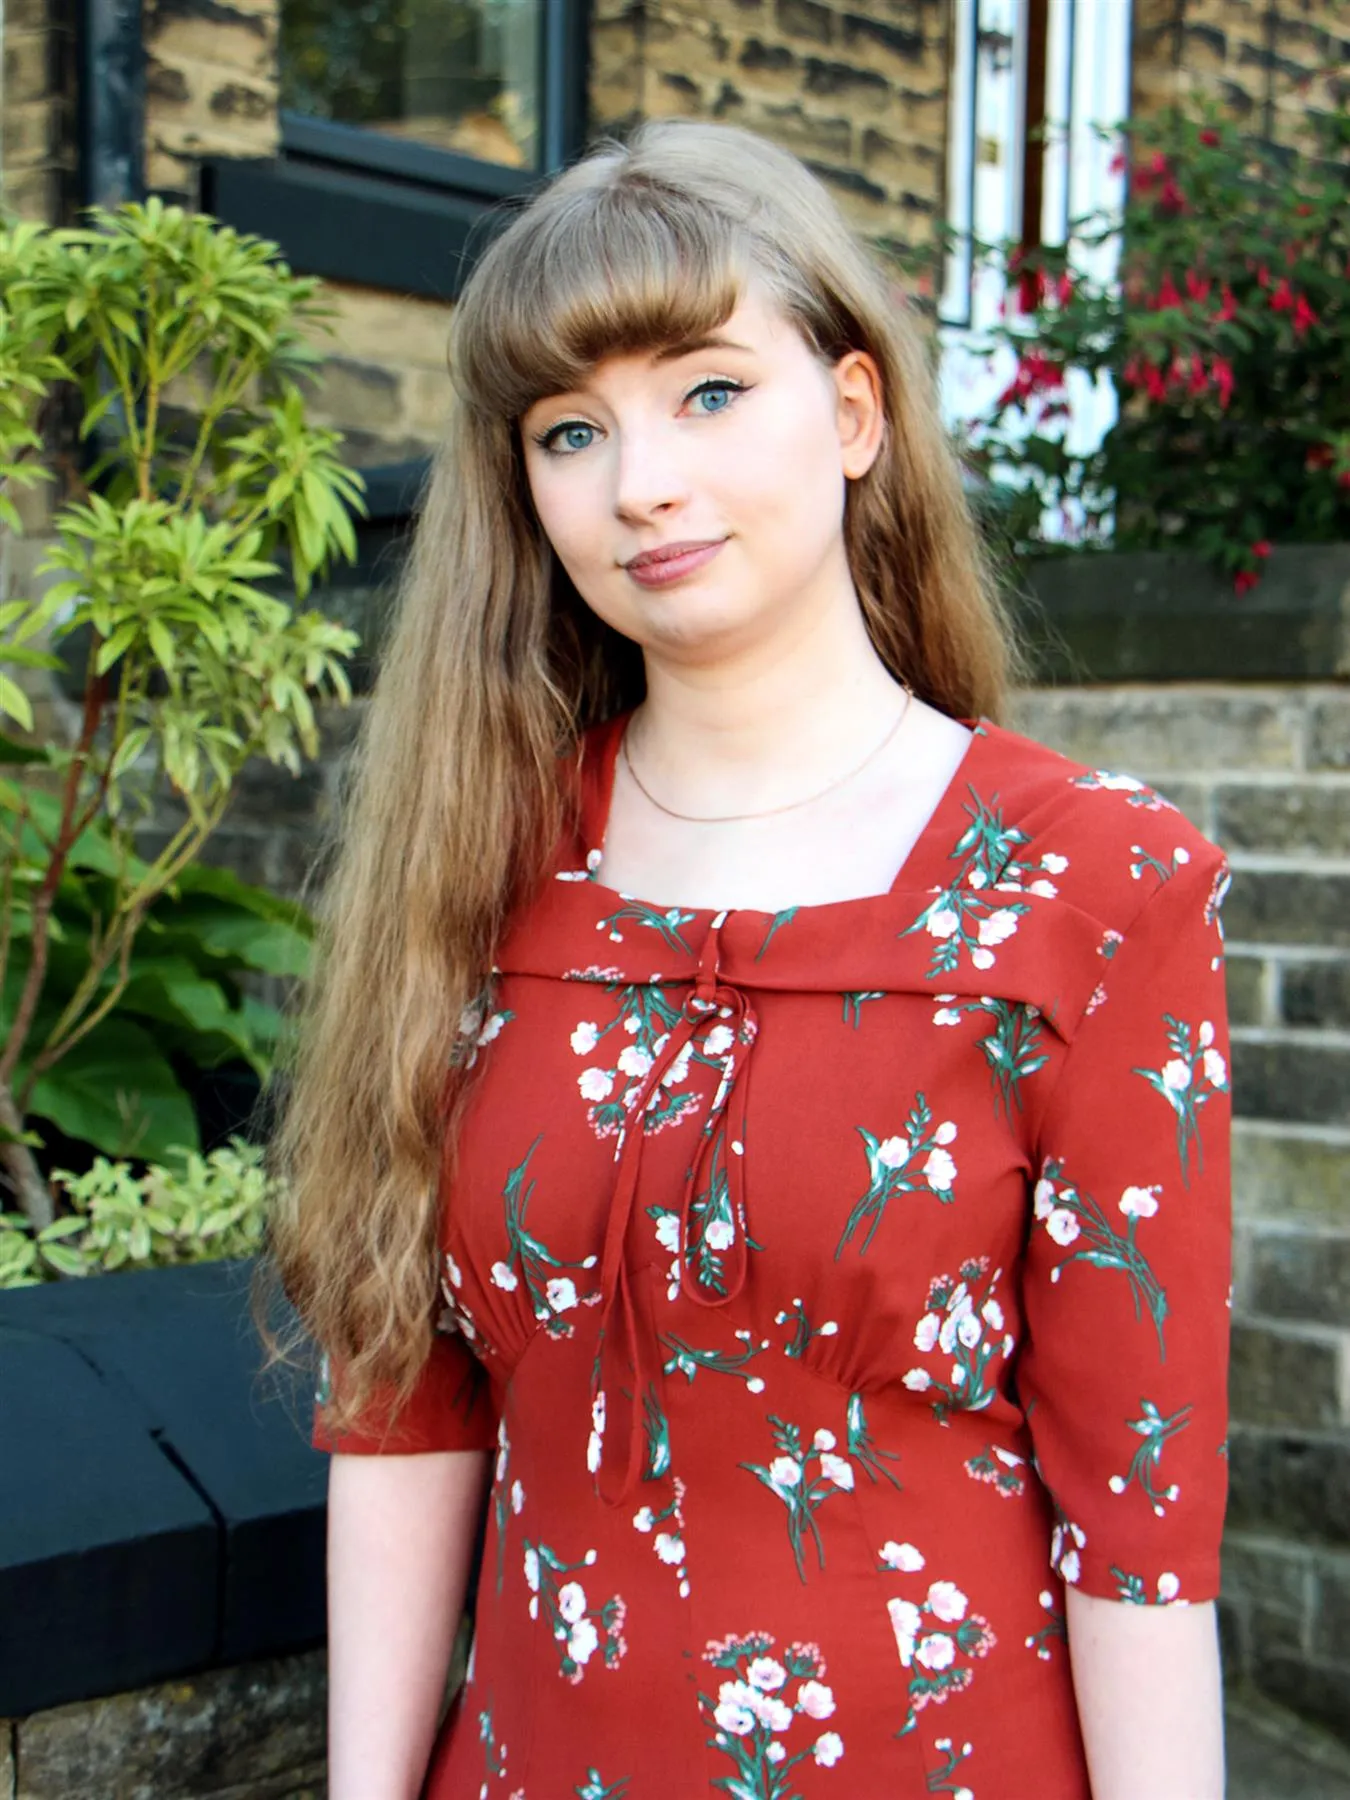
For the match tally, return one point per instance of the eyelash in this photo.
(548, 439)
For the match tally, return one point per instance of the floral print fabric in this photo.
(833, 1288)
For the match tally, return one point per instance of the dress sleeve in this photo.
(450, 1408)
(1127, 1278)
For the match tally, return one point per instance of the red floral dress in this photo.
(833, 1286)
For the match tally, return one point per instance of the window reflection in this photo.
(459, 76)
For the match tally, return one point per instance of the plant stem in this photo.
(21, 1169)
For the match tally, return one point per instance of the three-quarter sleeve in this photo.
(1124, 1367)
(450, 1408)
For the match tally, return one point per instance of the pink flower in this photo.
(1221, 373)
(1304, 316)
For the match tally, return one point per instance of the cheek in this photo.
(566, 514)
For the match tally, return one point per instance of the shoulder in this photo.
(1102, 839)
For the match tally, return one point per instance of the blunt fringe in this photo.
(494, 667)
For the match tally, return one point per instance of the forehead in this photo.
(756, 327)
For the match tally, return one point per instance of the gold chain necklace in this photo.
(769, 812)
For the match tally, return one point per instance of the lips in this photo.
(672, 562)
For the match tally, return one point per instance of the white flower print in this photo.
(595, 1084)
(765, 1674)
(837, 1470)
(906, 1622)
(583, 1640)
(936, 1651)
(815, 1700)
(1062, 1226)
(998, 927)
(720, 1235)
(828, 1748)
(918, 1380)
(454, 1271)
(901, 1556)
(926, 1332)
(634, 1061)
(505, 1277)
(946, 1602)
(1066, 1541)
(719, 1040)
(595, 1443)
(1216, 1069)
(668, 1230)
(1140, 1202)
(643, 1519)
(1176, 1075)
(946, 1015)
(946, 1132)
(572, 1601)
(893, 1152)
(532, 1568)
(1205, 1035)
(1053, 864)
(731, 1713)
(784, 1473)
(585, 1037)
(561, 1293)
(824, 1440)
(940, 1171)
(943, 923)
(668, 1547)
(1168, 1587)
(517, 1498)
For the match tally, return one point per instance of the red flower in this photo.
(1117, 163)
(1304, 316)
(1198, 286)
(1303, 208)
(1172, 197)
(1320, 456)
(1036, 373)
(1261, 548)
(1282, 300)
(1221, 372)
(1209, 136)
(1064, 288)
(1167, 295)
(1343, 479)
(1229, 308)
(1244, 580)
(1199, 381)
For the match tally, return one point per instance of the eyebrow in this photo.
(690, 345)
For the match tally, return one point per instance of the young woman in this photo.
(797, 1102)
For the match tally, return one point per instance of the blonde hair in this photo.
(495, 666)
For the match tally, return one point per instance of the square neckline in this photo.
(597, 781)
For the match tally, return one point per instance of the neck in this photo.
(760, 725)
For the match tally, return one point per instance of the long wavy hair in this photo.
(459, 787)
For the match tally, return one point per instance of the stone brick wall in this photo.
(1266, 772)
(37, 111)
(858, 91)
(210, 86)
(1267, 61)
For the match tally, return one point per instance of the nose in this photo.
(650, 475)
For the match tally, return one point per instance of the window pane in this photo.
(459, 74)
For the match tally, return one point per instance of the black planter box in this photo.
(161, 1510)
(1165, 616)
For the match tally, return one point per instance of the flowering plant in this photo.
(1226, 336)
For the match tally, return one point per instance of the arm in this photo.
(401, 1536)
(1149, 1698)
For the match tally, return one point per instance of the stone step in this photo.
(1291, 1076)
(1289, 815)
(1188, 728)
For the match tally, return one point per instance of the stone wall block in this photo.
(805, 19)
(865, 90)
(256, 1729)
(231, 39)
(30, 194)
(387, 329)
(1315, 1689)
(1283, 1379)
(31, 133)
(1292, 1484)
(28, 72)
(1247, 983)
(1316, 993)
(1288, 906)
(1156, 730)
(808, 134)
(208, 97)
(1300, 1275)
(1303, 1081)
(1329, 732)
(1284, 817)
(1273, 1576)
(1331, 1609)
(1290, 1176)
(357, 393)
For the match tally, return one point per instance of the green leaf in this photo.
(15, 702)
(114, 1090)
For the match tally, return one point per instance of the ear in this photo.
(860, 412)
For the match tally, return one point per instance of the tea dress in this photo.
(833, 1287)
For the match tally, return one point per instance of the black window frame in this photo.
(353, 204)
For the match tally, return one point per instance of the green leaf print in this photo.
(863, 1451)
(946, 1780)
(578, 1629)
(856, 1000)
(776, 924)
(494, 1759)
(1132, 1588)
(1155, 1430)
(1188, 1080)
(756, 1709)
(1071, 1216)
(963, 1321)
(712, 1225)
(595, 1788)
(552, 1296)
(790, 1478)
(914, 1161)
(1052, 1632)
(970, 915)
(1012, 1049)
(803, 1332)
(666, 924)
(656, 1428)
(687, 1359)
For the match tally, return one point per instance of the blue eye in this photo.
(568, 437)
(718, 395)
